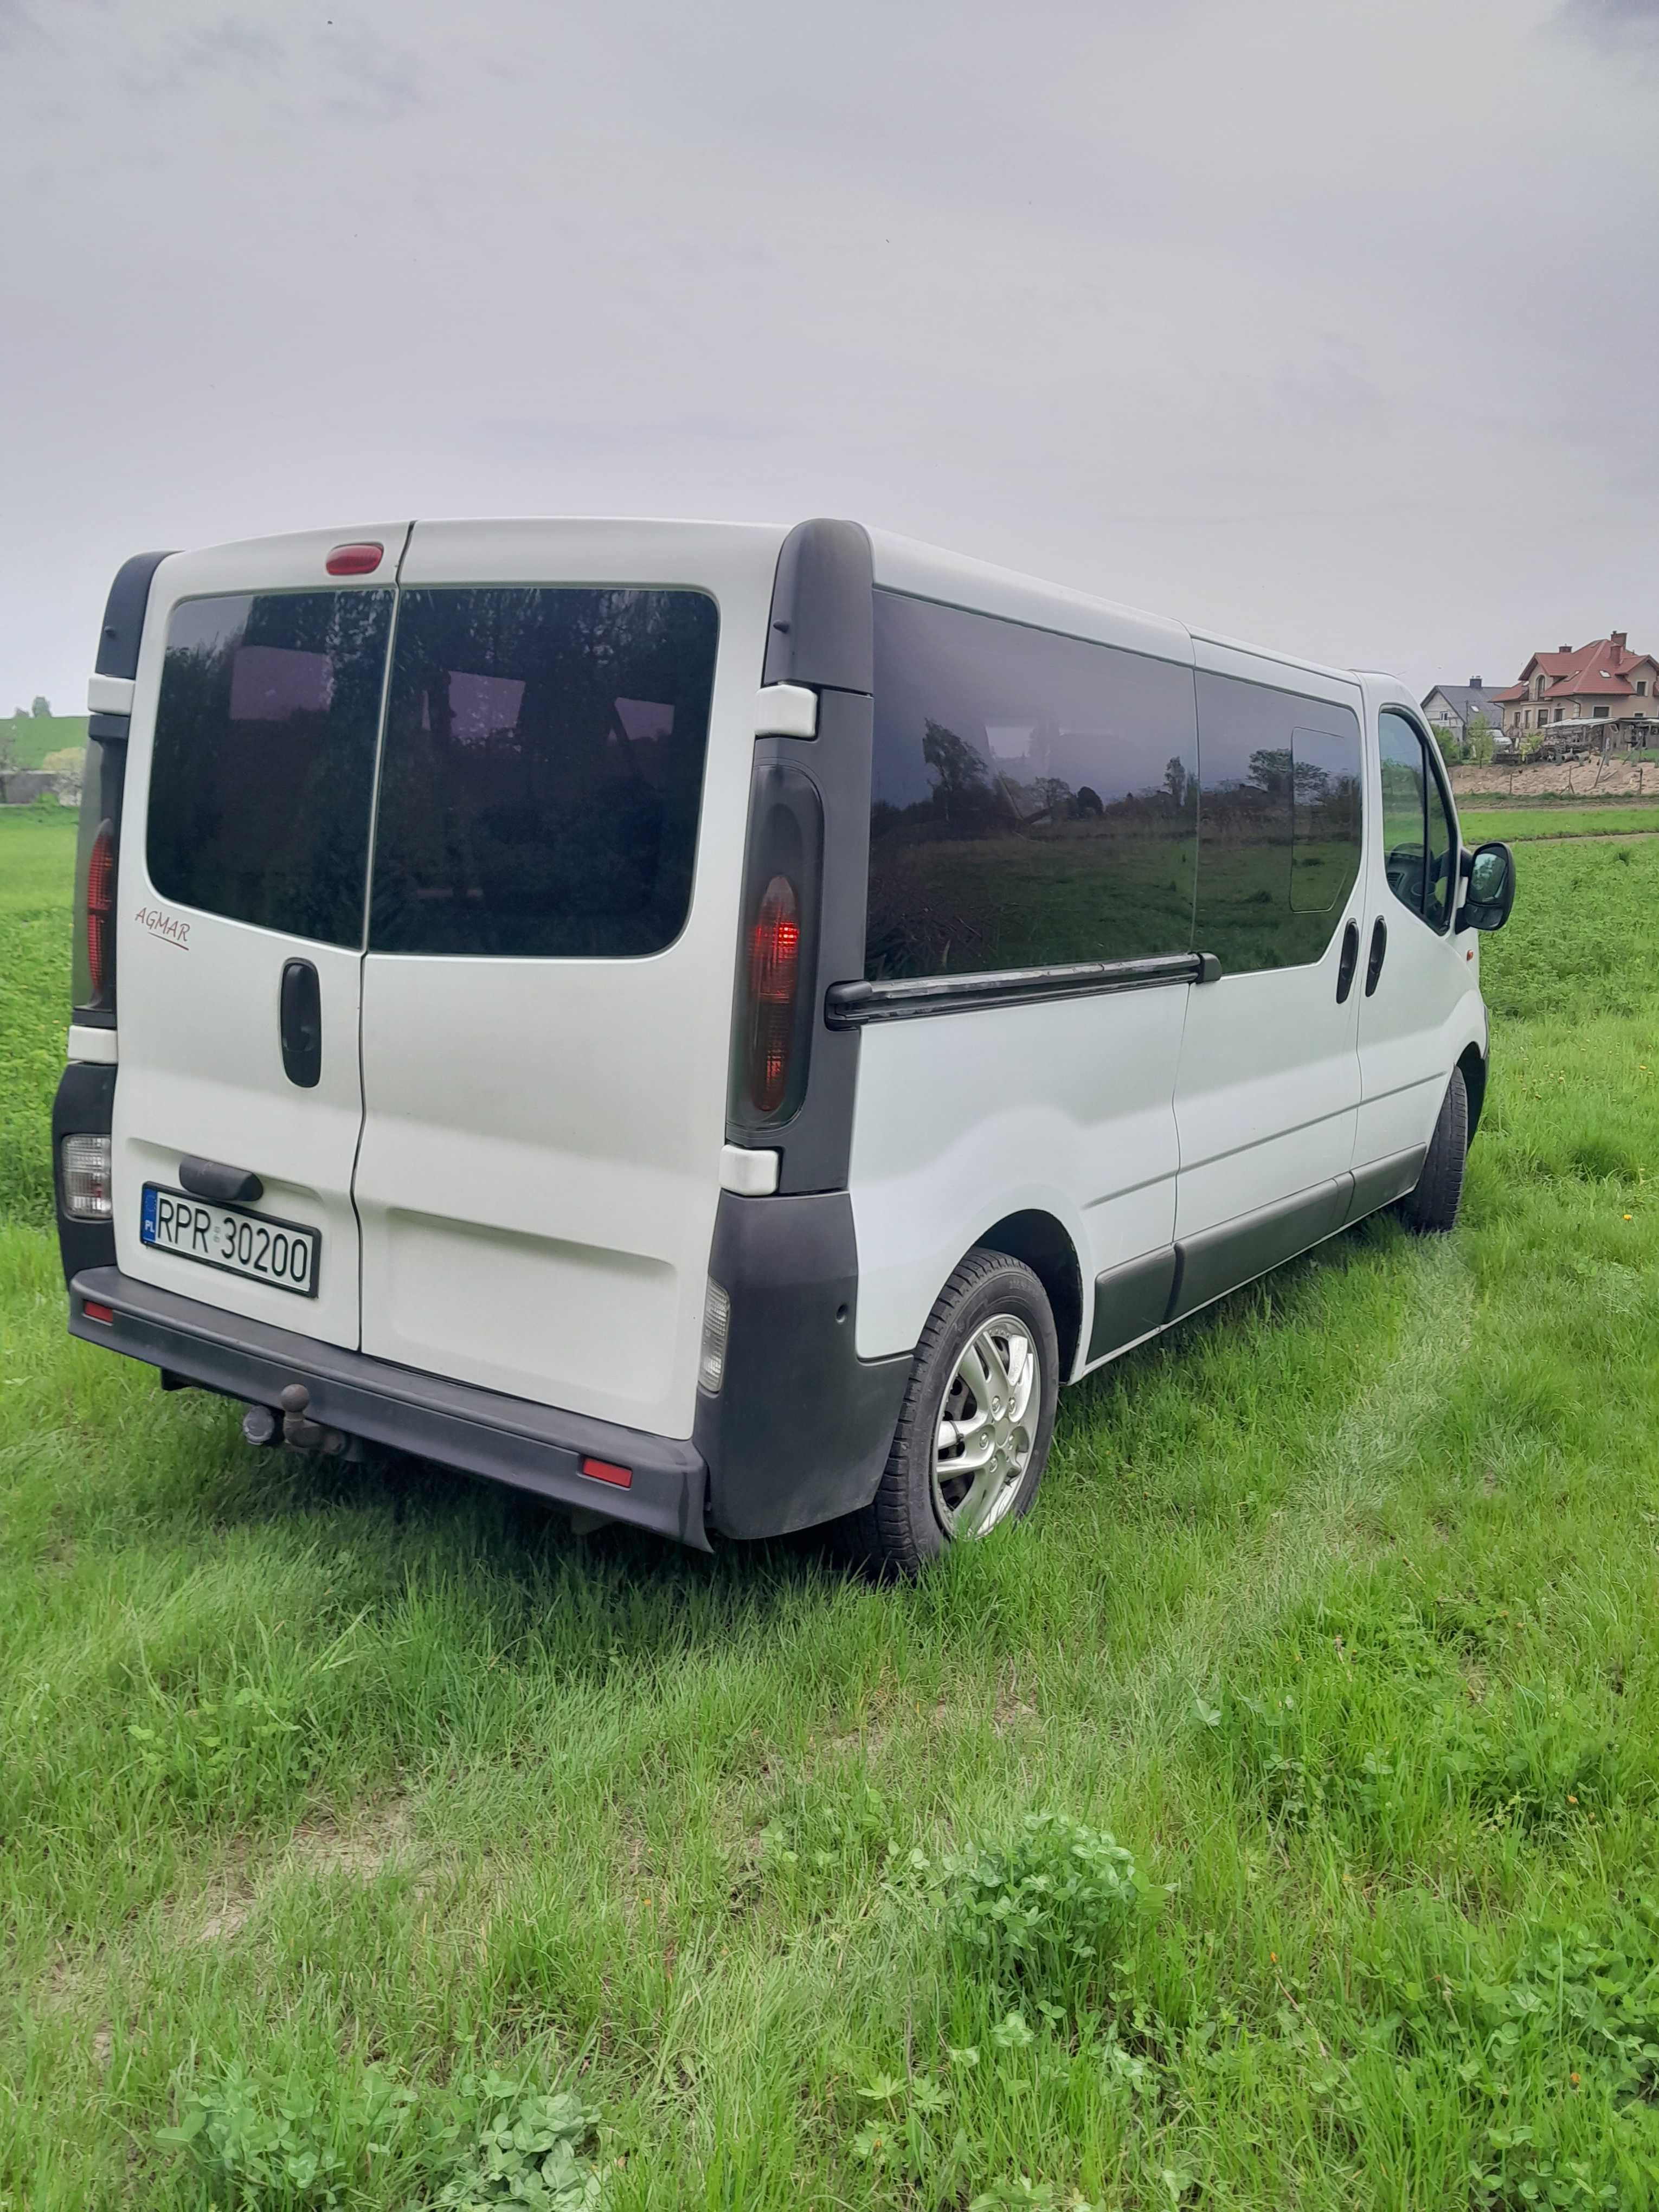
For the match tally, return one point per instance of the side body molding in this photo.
(1144, 1295)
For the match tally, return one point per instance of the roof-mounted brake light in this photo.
(355, 560)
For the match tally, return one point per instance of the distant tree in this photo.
(42, 708)
(8, 744)
(1450, 745)
(1176, 781)
(1482, 740)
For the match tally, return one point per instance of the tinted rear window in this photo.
(542, 771)
(1034, 798)
(263, 768)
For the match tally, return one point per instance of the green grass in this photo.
(325, 1793)
(37, 863)
(35, 736)
(1525, 823)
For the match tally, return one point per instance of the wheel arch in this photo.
(1043, 1242)
(1472, 1065)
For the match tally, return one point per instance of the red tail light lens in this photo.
(101, 904)
(773, 979)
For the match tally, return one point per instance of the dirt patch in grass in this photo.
(373, 1843)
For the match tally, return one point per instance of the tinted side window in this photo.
(542, 771)
(1279, 822)
(263, 762)
(1418, 845)
(1034, 798)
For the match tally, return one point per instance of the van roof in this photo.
(908, 564)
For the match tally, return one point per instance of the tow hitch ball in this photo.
(259, 1424)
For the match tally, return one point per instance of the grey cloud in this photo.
(1620, 21)
(1208, 308)
(548, 436)
(371, 79)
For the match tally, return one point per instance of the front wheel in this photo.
(974, 1432)
(1431, 1209)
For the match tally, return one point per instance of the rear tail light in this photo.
(777, 962)
(774, 982)
(95, 1312)
(86, 1162)
(100, 906)
(716, 1328)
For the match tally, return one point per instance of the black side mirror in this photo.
(1489, 872)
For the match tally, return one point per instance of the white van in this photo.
(714, 1024)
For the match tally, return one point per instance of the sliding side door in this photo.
(1268, 1092)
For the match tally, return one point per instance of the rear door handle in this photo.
(1347, 964)
(1379, 947)
(302, 1019)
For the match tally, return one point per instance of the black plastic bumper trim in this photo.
(801, 1428)
(84, 1106)
(510, 1440)
(854, 1006)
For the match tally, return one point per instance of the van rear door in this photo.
(239, 927)
(548, 988)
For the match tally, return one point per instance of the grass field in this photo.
(35, 736)
(1520, 824)
(346, 1814)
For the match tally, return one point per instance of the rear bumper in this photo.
(534, 1448)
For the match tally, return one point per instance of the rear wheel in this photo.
(1431, 1210)
(974, 1432)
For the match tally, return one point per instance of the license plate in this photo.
(284, 1253)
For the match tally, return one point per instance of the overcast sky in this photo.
(1336, 326)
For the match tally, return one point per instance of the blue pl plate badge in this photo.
(147, 1216)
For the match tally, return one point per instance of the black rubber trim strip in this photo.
(1131, 1301)
(1234, 1253)
(1381, 1182)
(854, 1006)
(510, 1440)
(1145, 1294)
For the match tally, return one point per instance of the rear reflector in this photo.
(96, 1313)
(603, 1470)
(355, 559)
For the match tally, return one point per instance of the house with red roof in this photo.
(1601, 693)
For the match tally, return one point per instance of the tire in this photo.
(1430, 1209)
(915, 1517)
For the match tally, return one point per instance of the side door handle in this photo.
(301, 1020)
(1379, 947)
(1347, 964)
